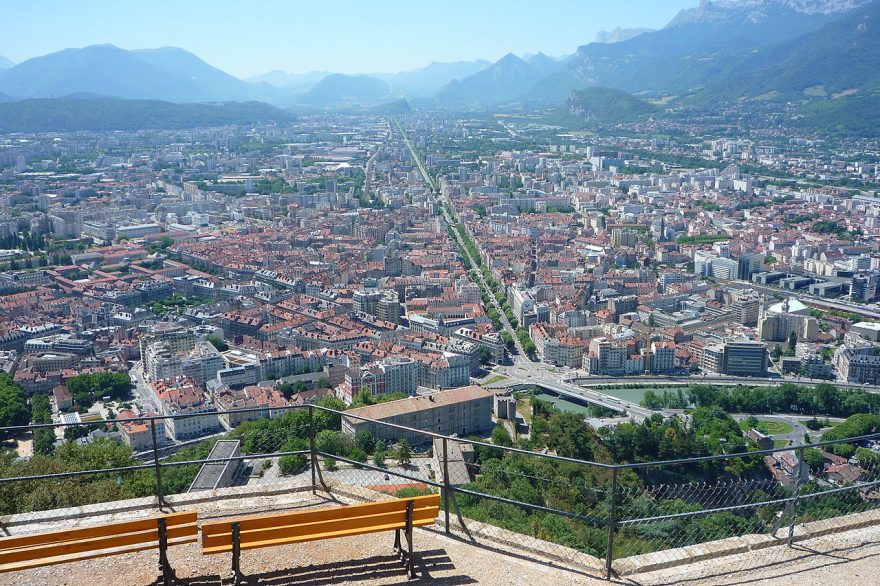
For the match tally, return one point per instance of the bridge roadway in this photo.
(578, 386)
(532, 373)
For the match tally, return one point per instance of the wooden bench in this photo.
(235, 535)
(85, 543)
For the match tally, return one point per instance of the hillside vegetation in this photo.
(852, 115)
(103, 114)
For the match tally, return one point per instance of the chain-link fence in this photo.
(738, 503)
(68, 470)
(609, 518)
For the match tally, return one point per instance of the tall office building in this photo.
(749, 264)
(745, 358)
(864, 286)
(736, 358)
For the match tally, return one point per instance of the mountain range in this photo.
(839, 58)
(5, 63)
(297, 82)
(620, 34)
(338, 90)
(719, 51)
(419, 83)
(168, 73)
(699, 47)
(499, 82)
(427, 81)
(599, 105)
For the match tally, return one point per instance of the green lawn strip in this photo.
(769, 426)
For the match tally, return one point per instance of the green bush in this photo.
(334, 442)
(358, 455)
(410, 492)
(294, 463)
(364, 440)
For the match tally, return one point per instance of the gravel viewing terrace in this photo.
(844, 557)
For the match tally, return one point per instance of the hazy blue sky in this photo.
(348, 36)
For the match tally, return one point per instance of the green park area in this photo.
(494, 379)
(767, 426)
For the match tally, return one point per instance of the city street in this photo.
(144, 397)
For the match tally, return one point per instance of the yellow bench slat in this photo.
(74, 557)
(284, 529)
(79, 533)
(93, 544)
(313, 537)
(315, 515)
(383, 519)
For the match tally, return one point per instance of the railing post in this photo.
(446, 484)
(796, 495)
(612, 524)
(312, 455)
(159, 493)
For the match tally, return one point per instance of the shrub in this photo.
(293, 463)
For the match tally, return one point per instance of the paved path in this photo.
(851, 558)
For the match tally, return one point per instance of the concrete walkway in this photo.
(847, 557)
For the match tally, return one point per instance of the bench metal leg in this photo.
(397, 540)
(238, 577)
(166, 572)
(410, 567)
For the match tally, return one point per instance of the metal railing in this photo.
(593, 513)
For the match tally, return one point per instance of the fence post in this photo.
(796, 495)
(612, 523)
(312, 456)
(159, 492)
(446, 484)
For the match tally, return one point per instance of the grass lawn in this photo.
(780, 443)
(774, 427)
(494, 379)
(769, 426)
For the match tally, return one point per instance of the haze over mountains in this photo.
(725, 50)
(293, 81)
(427, 81)
(620, 34)
(423, 82)
(501, 81)
(338, 90)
